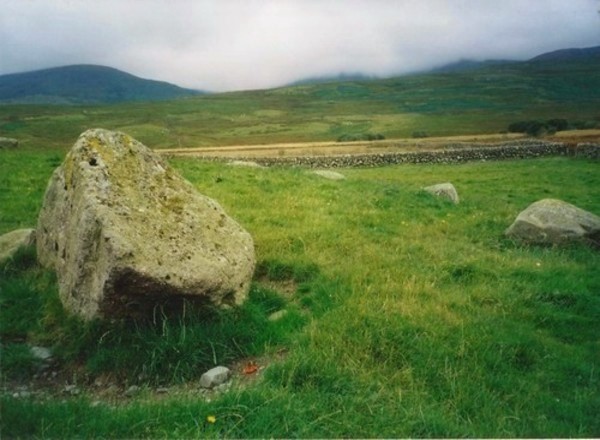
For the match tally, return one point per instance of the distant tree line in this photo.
(420, 134)
(360, 137)
(539, 127)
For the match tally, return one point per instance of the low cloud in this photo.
(235, 44)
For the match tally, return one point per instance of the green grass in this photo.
(476, 102)
(407, 316)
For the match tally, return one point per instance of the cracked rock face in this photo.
(125, 234)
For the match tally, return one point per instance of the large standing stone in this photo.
(551, 221)
(126, 233)
(12, 241)
(444, 190)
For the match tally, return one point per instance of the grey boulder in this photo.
(328, 174)
(444, 190)
(127, 234)
(215, 377)
(551, 221)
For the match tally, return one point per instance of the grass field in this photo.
(406, 316)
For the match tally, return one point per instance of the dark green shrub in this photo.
(535, 127)
(347, 138)
(559, 124)
(550, 126)
(360, 137)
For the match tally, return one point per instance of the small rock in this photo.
(445, 190)
(331, 175)
(214, 377)
(162, 390)
(276, 316)
(72, 390)
(132, 391)
(41, 353)
(223, 388)
(245, 163)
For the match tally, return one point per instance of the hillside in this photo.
(84, 84)
(585, 54)
(479, 101)
(466, 65)
(333, 78)
(589, 54)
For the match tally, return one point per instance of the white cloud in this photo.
(237, 44)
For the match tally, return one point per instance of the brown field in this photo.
(335, 148)
(366, 147)
(576, 136)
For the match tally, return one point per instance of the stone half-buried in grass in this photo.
(444, 190)
(127, 235)
(554, 222)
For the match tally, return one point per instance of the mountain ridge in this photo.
(574, 54)
(85, 84)
(464, 65)
(95, 84)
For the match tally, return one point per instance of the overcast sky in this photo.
(221, 45)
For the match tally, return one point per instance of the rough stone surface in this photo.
(551, 221)
(126, 234)
(331, 175)
(215, 377)
(8, 143)
(12, 241)
(445, 190)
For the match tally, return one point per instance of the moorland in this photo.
(405, 315)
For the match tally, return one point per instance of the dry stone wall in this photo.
(451, 153)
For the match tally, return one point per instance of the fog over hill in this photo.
(94, 84)
(588, 53)
(236, 45)
(464, 65)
